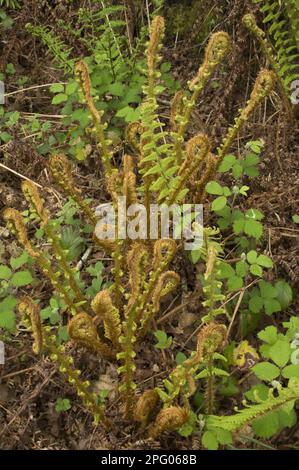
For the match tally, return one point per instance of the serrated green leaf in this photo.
(266, 371)
(5, 272)
(280, 352)
(21, 278)
(219, 203)
(214, 188)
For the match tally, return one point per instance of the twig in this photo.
(33, 88)
(19, 174)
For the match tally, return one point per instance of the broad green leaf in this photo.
(16, 263)
(256, 270)
(291, 371)
(266, 371)
(235, 283)
(269, 334)
(214, 188)
(264, 261)
(295, 218)
(5, 272)
(209, 441)
(252, 257)
(267, 291)
(280, 353)
(21, 278)
(284, 294)
(271, 306)
(7, 315)
(267, 426)
(241, 268)
(219, 203)
(256, 304)
(60, 98)
(57, 88)
(253, 228)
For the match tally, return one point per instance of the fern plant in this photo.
(282, 21)
(142, 277)
(10, 3)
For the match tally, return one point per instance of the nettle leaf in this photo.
(284, 294)
(280, 352)
(5, 272)
(269, 335)
(219, 203)
(291, 371)
(214, 188)
(21, 278)
(266, 371)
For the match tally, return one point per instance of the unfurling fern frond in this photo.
(247, 415)
(282, 20)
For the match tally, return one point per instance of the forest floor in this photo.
(29, 387)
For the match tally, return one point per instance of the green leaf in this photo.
(5, 272)
(266, 371)
(209, 441)
(7, 315)
(252, 257)
(17, 263)
(71, 88)
(227, 163)
(57, 88)
(266, 426)
(280, 352)
(267, 291)
(256, 270)
(62, 404)
(271, 306)
(269, 335)
(284, 294)
(241, 268)
(219, 203)
(234, 283)
(253, 228)
(295, 218)
(256, 304)
(116, 89)
(60, 98)
(180, 358)
(264, 261)
(291, 371)
(225, 270)
(214, 188)
(21, 278)
(224, 437)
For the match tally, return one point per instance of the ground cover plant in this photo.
(87, 301)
